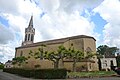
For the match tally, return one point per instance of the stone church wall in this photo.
(79, 44)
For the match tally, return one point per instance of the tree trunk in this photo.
(62, 63)
(56, 64)
(74, 65)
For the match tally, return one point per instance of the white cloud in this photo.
(6, 6)
(6, 34)
(110, 11)
(7, 52)
(62, 18)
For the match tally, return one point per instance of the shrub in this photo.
(51, 73)
(40, 73)
(1, 66)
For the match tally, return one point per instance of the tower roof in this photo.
(31, 22)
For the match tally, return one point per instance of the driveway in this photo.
(8, 76)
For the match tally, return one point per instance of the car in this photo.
(117, 70)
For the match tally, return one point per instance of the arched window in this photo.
(32, 37)
(25, 37)
(28, 37)
(88, 50)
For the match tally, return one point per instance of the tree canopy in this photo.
(106, 50)
(19, 60)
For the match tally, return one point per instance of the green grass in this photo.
(92, 74)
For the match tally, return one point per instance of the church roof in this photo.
(55, 41)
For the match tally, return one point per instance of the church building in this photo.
(80, 42)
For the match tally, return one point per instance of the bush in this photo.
(1, 66)
(40, 73)
(51, 73)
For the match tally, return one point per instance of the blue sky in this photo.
(4, 21)
(99, 22)
(99, 25)
(58, 19)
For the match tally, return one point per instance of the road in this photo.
(8, 76)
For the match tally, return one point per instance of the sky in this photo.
(55, 19)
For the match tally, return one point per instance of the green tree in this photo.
(106, 50)
(112, 50)
(19, 60)
(118, 61)
(102, 49)
(1, 65)
(56, 56)
(75, 55)
(40, 53)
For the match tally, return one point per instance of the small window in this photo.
(105, 60)
(111, 63)
(106, 64)
(88, 50)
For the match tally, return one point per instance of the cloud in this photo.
(111, 15)
(73, 5)
(68, 6)
(6, 52)
(9, 7)
(61, 18)
(6, 34)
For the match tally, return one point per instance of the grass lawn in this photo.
(91, 74)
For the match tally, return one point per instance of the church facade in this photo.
(81, 42)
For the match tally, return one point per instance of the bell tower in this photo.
(29, 33)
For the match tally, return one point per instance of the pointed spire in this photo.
(31, 22)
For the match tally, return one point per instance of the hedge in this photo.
(1, 66)
(39, 73)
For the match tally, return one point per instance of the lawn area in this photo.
(91, 74)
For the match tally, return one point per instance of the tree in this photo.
(56, 56)
(1, 65)
(102, 49)
(106, 50)
(75, 55)
(19, 60)
(118, 61)
(38, 54)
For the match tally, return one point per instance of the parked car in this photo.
(117, 70)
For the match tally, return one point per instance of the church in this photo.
(80, 42)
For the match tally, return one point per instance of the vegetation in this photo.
(106, 50)
(60, 54)
(91, 74)
(39, 73)
(19, 60)
(118, 61)
(75, 55)
(55, 56)
(1, 66)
